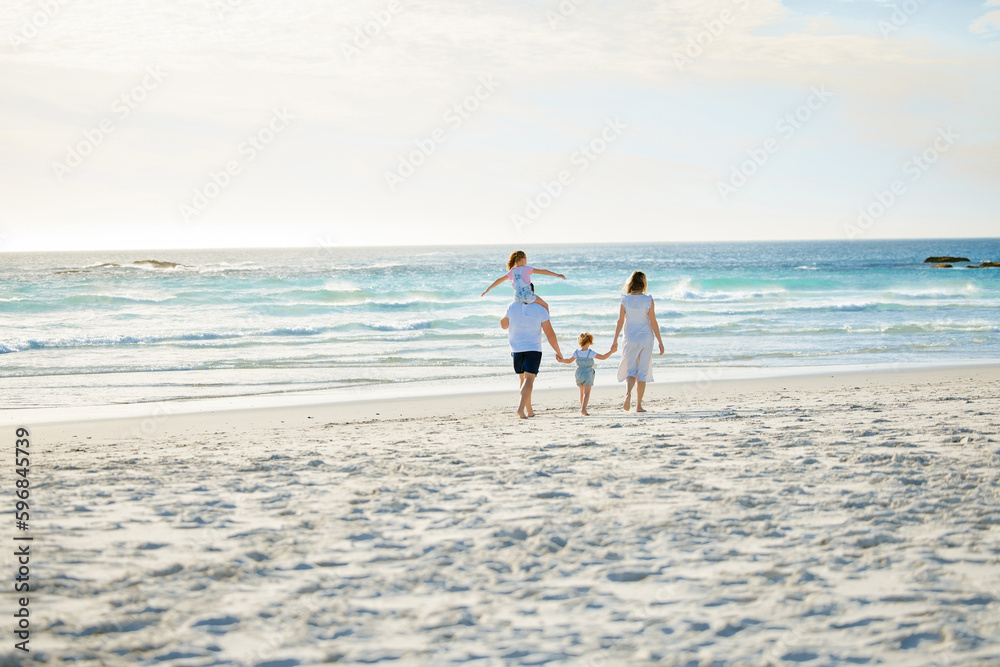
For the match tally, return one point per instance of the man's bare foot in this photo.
(628, 402)
(521, 415)
(640, 409)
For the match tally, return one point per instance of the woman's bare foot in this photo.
(584, 413)
(639, 408)
(521, 415)
(531, 413)
(628, 402)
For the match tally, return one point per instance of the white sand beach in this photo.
(823, 520)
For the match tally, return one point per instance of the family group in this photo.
(527, 319)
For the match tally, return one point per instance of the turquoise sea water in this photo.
(97, 328)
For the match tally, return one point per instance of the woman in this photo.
(638, 318)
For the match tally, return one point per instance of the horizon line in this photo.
(347, 246)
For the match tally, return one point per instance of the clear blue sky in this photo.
(239, 123)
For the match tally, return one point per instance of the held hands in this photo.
(559, 357)
(614, 347)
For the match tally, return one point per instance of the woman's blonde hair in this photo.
(515, 257)
(635, 283)
(585, 339)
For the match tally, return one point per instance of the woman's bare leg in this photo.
(629, 383)
(639, 391)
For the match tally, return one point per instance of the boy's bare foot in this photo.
(628, 402)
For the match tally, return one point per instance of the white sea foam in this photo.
(341, 286)
(965, 290)
(400, 326)
(136, 295)
(684, 291)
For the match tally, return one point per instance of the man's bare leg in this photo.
(524, 408)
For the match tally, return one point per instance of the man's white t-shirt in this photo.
(525, 331)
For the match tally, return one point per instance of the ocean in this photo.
(104, 328)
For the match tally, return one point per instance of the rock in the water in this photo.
(984, 265)
(943, 266)
(945, 260)
(156, 264)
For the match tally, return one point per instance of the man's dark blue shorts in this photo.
(527, 362)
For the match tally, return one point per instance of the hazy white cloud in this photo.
(990, 22)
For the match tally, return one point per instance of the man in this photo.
(525, 323)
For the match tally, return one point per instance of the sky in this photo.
(260, 123)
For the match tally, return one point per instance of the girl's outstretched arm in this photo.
(543, 272)
(607, 354)
(495, 283)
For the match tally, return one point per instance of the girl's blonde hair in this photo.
(635, 283)
(586, 339)
(515, 257)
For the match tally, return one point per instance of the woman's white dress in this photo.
(637, 353)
